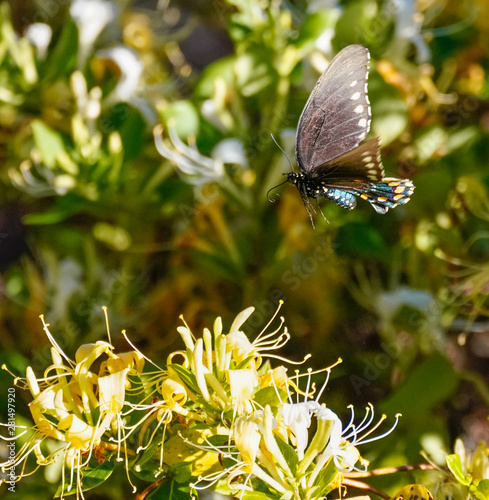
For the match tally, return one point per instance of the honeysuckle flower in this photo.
(216, 408)
(247, 437)
(242, 385)
(76, 405)
(91, 17)
(241, 348)
(409, 26)
(88, 103)
(196, 168)
(343, 443)
(39, 34)
(230, 151)
(297, 418)
(216, 110)
(129, 69)
(174, 394)
(225, 366)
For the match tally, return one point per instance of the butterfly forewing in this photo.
(337, 115)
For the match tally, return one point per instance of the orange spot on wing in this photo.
(364, 197)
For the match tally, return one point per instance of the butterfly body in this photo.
(333, 162)
(310, 189)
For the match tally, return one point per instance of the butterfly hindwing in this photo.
(363, 163)
(382, 195)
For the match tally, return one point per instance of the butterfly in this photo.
(332, 162)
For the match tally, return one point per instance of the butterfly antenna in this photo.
(271, 200)
(278, 146)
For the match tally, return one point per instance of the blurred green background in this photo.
(95, 211)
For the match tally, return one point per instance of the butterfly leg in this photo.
(320, 211)
(309, 208)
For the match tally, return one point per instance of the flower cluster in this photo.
(217, 416)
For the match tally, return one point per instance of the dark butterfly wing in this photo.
(336, 116)
(332, 162)
(382, 195)
(362, 163)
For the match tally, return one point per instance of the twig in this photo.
(364, 486)
(389, 470)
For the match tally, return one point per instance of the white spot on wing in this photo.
(358, 109)
(355, 96)
(362, 122)
(353, 83)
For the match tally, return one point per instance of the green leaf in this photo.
(63, 208)
(223, 69)
(257, 495)
(416, 396)
(389, 110)
(144, 467)
(289, 454)
(91, 477)
(482, 490)
(218, 440)
(48, 142)
(427, 142)
(324, 479)
(183, 116)
(455, 465)
(361, 240)
(149, 471)
(244, 363)
(62, 60)
(253, 73)
(314, 26)
(268, 396)
(182, 472)
(171, 490)
(186, 377)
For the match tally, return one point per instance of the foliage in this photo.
(135, 163)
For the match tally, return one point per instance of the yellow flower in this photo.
(242, 384)
(247, 437)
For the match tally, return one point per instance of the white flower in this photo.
(91, 17)
(297, 418)
(409, 25)
(342, 445)
(246, 432)
(39, 34)
(197, 168)
(230, 151)
(130, 67)
(128, 87)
